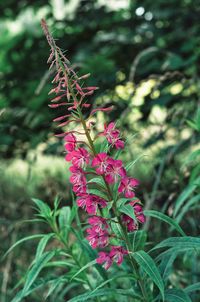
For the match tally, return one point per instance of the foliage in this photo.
(123, 48)
(73, 271)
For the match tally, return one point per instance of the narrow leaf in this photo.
(176, 295)
(60, 263)
(105, 292)
(166, 265)
(182, 198)
(131, 164)
(187, 206)
(35, 270)
(128, 210)
(42, 244)
(83, 268)
(43, 208)
(54, 284)
(122, 201)
(179, 243)
(148, 265)
(138, 239)
(192, 288)
(166, 219)
(65, 219)
(23, 240)
(98, 193)
(98, 181)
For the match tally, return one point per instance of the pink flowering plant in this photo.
(101, 252)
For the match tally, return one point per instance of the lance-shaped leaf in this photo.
(166, 219)
(176, 295)
(149, 267)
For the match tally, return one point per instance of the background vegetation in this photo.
(145, 58)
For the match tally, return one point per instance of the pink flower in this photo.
(98, 223)
(84, 201)
(117, 253)
(71, 142)
(104, 258)
(78, 176)
(79, 157)
(80, 189)
(91, 203)
(115, 169)
(101, 160)
(119, 144)
(138, 211)
(113, 136)
(97, 239)
(127, 186)
(129, 222)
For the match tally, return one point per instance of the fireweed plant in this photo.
(119, 268)
(99, 181)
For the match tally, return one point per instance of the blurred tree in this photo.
(118, 42)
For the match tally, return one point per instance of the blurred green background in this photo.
(144, 56)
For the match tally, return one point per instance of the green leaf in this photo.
(90, 264)
(65, 218)
(129, 165)
(104, 146)
(192, 288)
(36, 269)
(180, 243)
(60, 293)
(197, 119)
(56, 203)
(166, 219)
(117, 229)
(128, 210)
(54, 284)
(129, 276)
(193, 156)
(23, 240)
(138, 239)
(42, 244)
(187, 206)
(105, 292)
(192, 124)
(176, 295)
(182, 198)
(166, 264)
(90, 253)
(43, 208)
(60, 263)
(37, 284)
(194, 174)
(149, 267)
(98, 181)
(122, 201)
(170, 251)
(98, 193)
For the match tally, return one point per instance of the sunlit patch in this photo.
(176, 89)
(140, 11)
(158, 114)
(115, 4)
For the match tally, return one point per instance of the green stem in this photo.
(132, 261)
